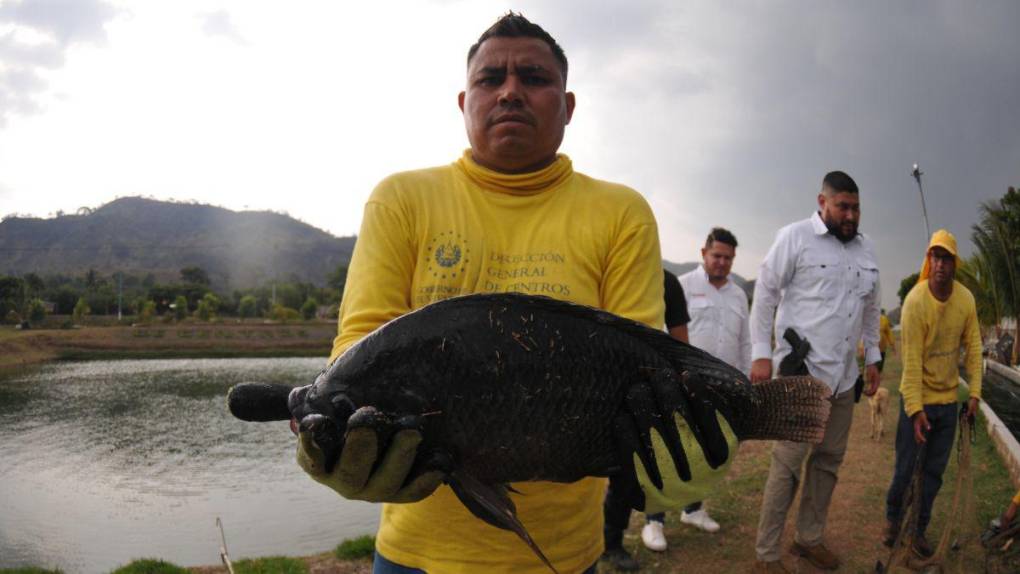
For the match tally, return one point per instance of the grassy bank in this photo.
(166, 340)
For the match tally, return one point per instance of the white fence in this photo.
(1005, 442)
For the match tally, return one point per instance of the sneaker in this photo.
(699, 519)
(774, 567)
(921, 547)
(653, 537)
(818, 555)
(620, 559)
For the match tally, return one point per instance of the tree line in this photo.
(31, 297)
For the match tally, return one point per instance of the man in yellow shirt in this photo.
(511, 214)
(938, 318)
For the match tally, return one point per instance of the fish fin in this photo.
(787, 408)
(491, 503)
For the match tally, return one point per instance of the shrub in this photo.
(146, 311)
(270, 565)
(36, 310)
(284, 314)
(355, 548)
(180, 307)
(309, 308)
(81, 310)
(247, 306)
(150, 566)
(207, 307)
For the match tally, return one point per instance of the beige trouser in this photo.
(788, 463)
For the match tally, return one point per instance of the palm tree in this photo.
(997, 237)
(977, 274)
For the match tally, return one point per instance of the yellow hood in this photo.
(943, 239)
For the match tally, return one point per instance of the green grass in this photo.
(29, 570)
(356, 548)
(150, 566)
(270, 565)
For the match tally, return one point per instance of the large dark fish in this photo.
(509, 388)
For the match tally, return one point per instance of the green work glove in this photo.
(352, 475)
(677, 493)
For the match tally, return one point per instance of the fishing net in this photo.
(960, 529)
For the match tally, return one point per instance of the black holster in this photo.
(794, 363)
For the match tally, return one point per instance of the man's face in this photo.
(941, 265)
(718, 259)
(516, 106)
(841, 212)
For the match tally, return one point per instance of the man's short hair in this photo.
(722, 236)
(517, 26)
(839, 181)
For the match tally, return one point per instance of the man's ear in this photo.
(821, 202)
(460, 101)
(570, 105)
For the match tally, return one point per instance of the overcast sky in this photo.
(720, 113)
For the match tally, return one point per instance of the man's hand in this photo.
(873, 378)
(972, 407)
(352, 476)
(761, 370)
(921, 427)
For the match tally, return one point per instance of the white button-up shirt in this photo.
(718, 318)
(827, 291)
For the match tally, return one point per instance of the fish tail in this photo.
(788, 408)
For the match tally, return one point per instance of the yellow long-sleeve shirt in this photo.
(459, 229)
(932, 333)
(885, 334)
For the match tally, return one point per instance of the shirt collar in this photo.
(817, 224)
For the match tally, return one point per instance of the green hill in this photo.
(139, 236)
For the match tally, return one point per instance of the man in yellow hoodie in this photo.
(510, 214)
(938, 318)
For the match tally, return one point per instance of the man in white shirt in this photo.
(718, 306)
(718, 310)
(820, 278)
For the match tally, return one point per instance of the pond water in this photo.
(1003, 395)
(108, 461)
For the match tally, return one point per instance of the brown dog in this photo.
(878, 402)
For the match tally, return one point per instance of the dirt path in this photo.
(856, 517)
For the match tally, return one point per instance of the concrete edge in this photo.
(1005, 443)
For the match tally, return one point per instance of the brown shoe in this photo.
(774, 567)
(818, 555)
(891, 532)
(921, 547)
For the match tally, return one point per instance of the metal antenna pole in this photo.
(917, 173)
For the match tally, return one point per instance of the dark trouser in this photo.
(881, 362)
(938, 447)
(616, 510)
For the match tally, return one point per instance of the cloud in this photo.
(220, 24)
(35, 36)
(732, 116)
